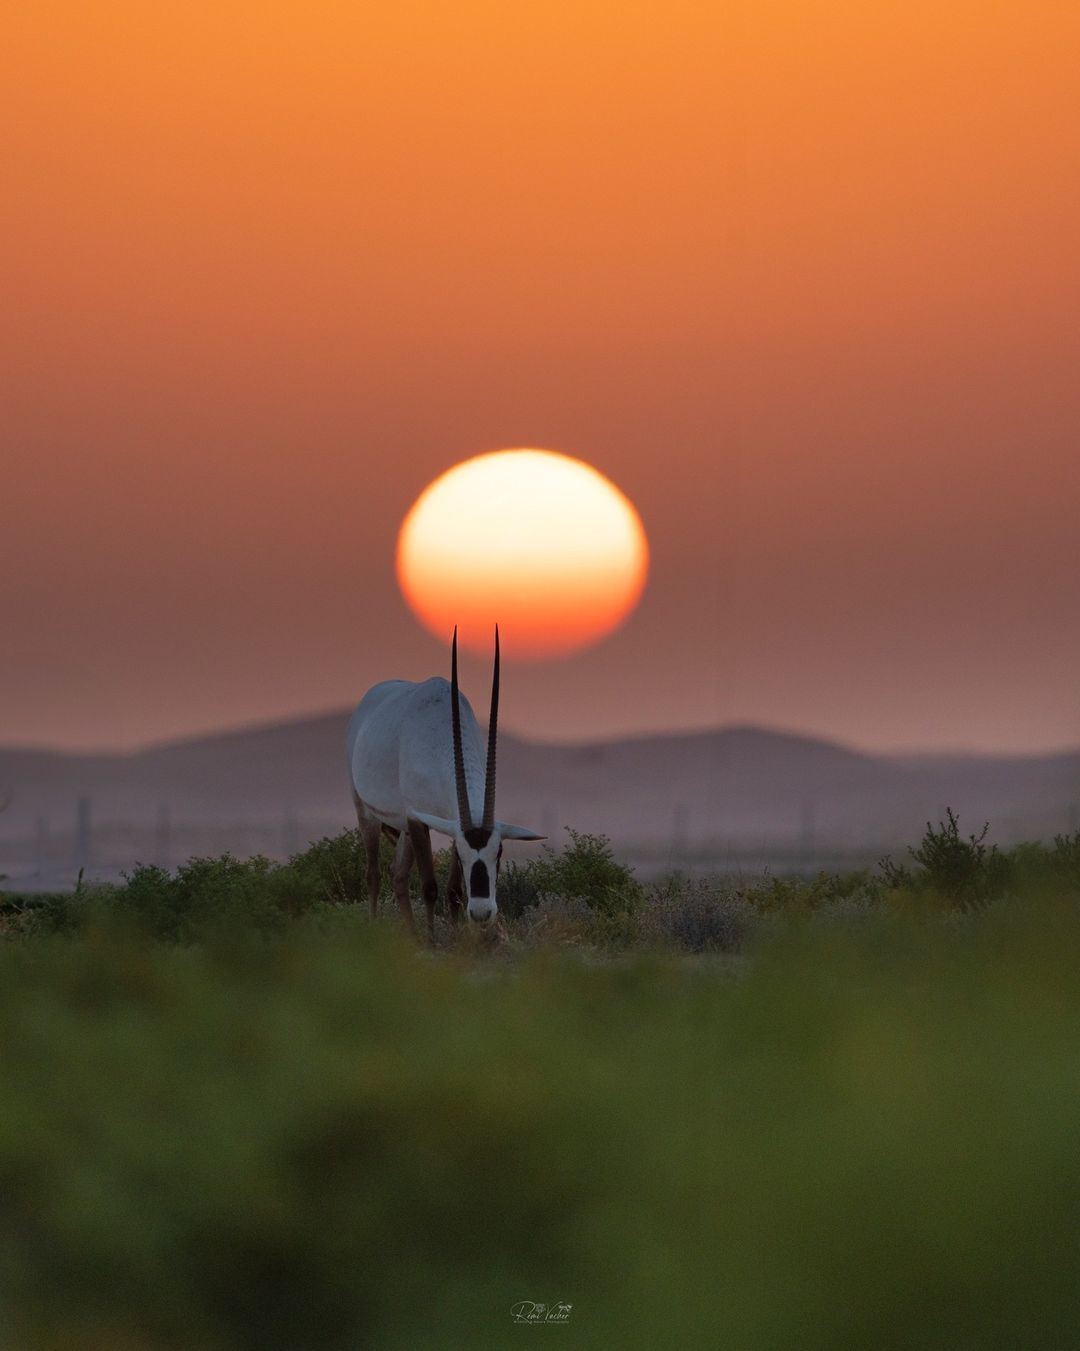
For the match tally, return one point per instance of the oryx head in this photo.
(479, 844)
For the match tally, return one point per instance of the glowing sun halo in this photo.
(542, 543)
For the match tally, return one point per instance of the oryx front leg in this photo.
(399, 873)
(425, 864)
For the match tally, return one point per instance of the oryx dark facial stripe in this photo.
(477, 836)
(479, 883)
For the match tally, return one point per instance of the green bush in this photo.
(1065, 861)
(585, 870)
(204, 896)
(213, 895)
(962, 871)
(582, 894)
(335, 868)
(800, 895)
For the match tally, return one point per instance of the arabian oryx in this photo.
(416, 762)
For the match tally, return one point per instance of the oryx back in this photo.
(400, 751)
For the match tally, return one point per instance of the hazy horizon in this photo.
(626, 734)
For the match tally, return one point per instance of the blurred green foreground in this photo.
(863, 1133)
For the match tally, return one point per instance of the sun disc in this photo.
(534, 540)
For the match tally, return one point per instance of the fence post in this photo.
(163, 838)
(41, 844)
(808, 831)
(290, 834)
(83, 834)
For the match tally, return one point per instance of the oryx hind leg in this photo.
(371, 833)
(399, 873)
(429, 887)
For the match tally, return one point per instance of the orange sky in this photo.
(802, 279)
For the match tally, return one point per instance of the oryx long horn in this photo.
(493, 735)
(464, 813)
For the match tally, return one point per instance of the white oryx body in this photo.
(417, 764)
(401, 752)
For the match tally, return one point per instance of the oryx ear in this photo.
(440, 823)
(517, 832)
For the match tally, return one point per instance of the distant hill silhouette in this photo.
(709, 794)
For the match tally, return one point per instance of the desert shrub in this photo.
(555, 919)
(335, 868)
(1031, 868)
(698, 915)
(217, 894)
(517, 890)
(208, 895)
(68, 912)
(1065, 860)
(793, 896)
(203, 898)
(213, 896)
(963, 871)
(896, 876)
(1035, 868)
(570, 921)
(586, 869)
(860, 907)
(17, 911)
(209, 898)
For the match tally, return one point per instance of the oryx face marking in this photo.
(479, 851)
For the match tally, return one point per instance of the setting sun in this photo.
(539, 542)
